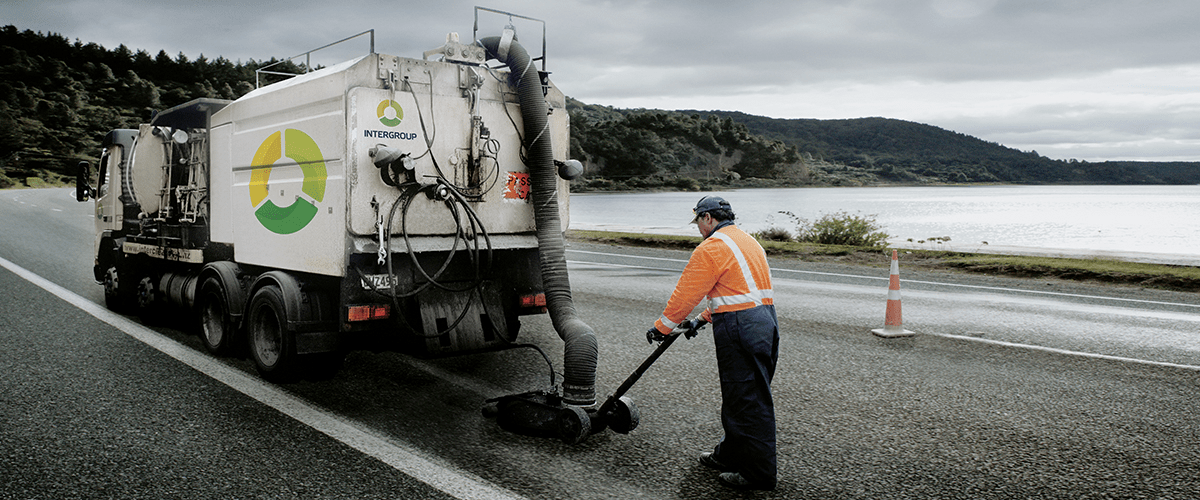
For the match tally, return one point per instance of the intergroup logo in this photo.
(381, 111)
(304, 151)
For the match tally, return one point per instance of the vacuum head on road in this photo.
(544, 414)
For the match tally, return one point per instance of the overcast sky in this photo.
(1087, 79)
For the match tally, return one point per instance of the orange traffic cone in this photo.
(892, 322)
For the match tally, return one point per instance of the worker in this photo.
(729, 267)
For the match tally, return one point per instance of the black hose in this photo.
(452, 202)
(580, 352)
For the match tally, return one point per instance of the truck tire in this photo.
(120, 288)
(272, 343)
(218, 330)
(148, 301)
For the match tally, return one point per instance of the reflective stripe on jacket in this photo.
(730, 268)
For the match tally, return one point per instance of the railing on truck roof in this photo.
(475, 33)
(307, 58)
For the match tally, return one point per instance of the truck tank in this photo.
(384, 202)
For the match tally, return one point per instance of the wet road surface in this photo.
(89, 410)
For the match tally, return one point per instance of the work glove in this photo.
(653, 335)
(690, 328)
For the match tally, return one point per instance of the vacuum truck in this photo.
(381, 203)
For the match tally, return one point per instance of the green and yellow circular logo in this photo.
(304, 151)
(381, 111)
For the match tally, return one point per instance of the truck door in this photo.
(108, 215)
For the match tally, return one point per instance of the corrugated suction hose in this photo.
(579, 340)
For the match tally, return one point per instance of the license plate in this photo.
(377, 281)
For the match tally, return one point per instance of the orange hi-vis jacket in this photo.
(730, 268)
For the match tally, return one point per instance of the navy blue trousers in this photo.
(747, 344)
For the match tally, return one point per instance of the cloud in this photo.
(1082, 77)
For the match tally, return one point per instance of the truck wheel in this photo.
(146, 293)
(119, 289)
(272, 344)
(217, 329)
(147, 300)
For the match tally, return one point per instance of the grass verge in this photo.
(1160, 276)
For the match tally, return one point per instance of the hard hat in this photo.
(709, 203)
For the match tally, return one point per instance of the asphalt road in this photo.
(98, 406)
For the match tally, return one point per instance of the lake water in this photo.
(1143, 223)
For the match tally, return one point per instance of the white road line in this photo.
(976, 287)
(962, 337)
(459, 484)
(947, 335)
(1069, 353)
(622, 266)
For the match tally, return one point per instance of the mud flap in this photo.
(482, 325)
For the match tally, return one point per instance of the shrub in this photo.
(774, 234)
(686, 184)
(37, 182)
(841, 228)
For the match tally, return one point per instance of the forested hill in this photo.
(903, 150)
(853, 152)
(59, 98)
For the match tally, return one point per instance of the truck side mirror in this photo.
(83, 191)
